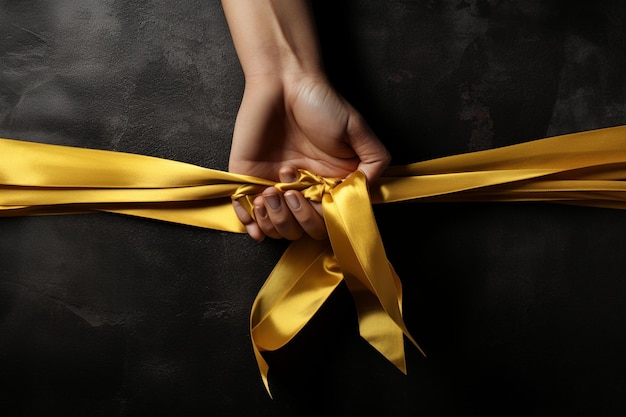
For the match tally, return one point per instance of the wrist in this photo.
(287, 78)
(283, 68)
(274, 37)
(281, 56)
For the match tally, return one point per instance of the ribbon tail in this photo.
(38, 179)
(371, 279)
(376, 326)
(588, 161)
(301, 282)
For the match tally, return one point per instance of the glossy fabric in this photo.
(587, 168)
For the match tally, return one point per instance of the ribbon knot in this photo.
(311, 185)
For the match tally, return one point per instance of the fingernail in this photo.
(291, 176)
(260, 212)
(273, 201)
(292, 201)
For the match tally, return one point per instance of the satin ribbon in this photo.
(586, 168)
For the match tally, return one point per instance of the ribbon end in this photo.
(401, 365)
(263, 369)
(267, 386)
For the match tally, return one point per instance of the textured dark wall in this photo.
(520, 307)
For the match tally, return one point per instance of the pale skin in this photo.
(291, 117)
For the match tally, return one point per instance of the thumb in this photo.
(372, 154)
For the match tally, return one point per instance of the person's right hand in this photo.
(298, 122)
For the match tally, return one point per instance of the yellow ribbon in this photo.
(587, 168)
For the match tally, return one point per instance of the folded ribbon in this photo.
(587, 168)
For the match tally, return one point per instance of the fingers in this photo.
(308, 214)
(273, 216)
(246, 219)
(287, 216)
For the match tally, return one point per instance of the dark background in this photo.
(520, 307)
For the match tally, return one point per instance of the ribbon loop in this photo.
(359, 249)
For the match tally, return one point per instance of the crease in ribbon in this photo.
(585, 168)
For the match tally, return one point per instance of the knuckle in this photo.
(282, 219)
(288, 227)
(314, 226)
(269, 230)
(307, 219)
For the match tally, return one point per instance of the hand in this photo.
(298, 122)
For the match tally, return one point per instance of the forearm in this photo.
(274, 37)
